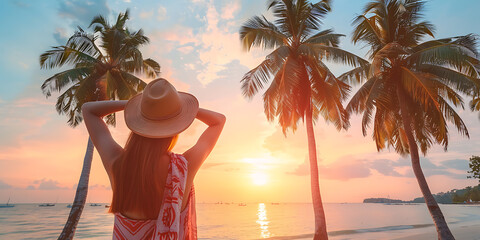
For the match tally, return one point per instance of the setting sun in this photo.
(259, 178)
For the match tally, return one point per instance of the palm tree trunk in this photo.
(80, 196)
(443, 231)
(320, 222)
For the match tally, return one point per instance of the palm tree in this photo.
(411, 88)
(97, 73)
(303, 87)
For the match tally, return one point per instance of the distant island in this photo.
(466, 195)
(382, 200)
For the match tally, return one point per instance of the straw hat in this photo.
(160, 111)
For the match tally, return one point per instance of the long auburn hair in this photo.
(136, 186)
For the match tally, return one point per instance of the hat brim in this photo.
(162, 128)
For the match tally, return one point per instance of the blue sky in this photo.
(196, 43)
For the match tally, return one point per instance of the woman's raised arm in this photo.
(200, 151)
(93, 113)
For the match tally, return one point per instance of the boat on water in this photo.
(275, 203)
(242, 204)
(46, 205)
(8, 205)
(107, 205)
(95, 205)
(69, 206)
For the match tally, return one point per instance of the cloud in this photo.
(61, 35)
(21, 4)
(210, 165)
(220, 45)
(21, 118)
(81, 12)
(458, 164)
(97, 186)
(179, 34)
(340, 170)
(302, 169)
(146, 14)
(161, 13)
(45, 184)
(4, 185)
(385, 167)
(185, 49)
(229, 10)
(345, 169)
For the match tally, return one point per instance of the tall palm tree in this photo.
(96, 73)
(411, 88)
(303, 87)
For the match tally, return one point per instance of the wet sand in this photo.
(460, 233)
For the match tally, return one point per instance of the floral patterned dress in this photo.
(172, 223)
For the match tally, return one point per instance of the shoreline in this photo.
(471, 232)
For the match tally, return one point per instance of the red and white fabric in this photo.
(172, 223)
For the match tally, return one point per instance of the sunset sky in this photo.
(197, 45)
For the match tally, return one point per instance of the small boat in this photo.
(69, 206)
(275, 203)
(95, 205)
(46, 205)
(242, 204)
(7, 205)
(107, 205)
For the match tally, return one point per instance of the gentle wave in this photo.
(254, 221)
(354, 231)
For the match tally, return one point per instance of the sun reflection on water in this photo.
(263, 221)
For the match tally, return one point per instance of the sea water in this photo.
(254, 221)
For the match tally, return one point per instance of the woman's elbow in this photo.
(222, 118)
(86, 107)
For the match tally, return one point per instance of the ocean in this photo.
(359, 221)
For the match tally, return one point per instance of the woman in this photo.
(153, 195)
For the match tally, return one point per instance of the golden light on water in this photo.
(259, 178)
(263, 221)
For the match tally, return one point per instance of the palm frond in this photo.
(366, 30)
(293, 94)
(61, 55)
(450, 54)
(463, 83)
(357, 102)
(64, 79)
(259, 32)
(286, 19)
(84, 42)
(422, 91)
(356, 75)
(255, 79)
(313, 15)
(333, 54)
(151, 68)
(100, 23)
(327, 94)
(127, 85)
(325, 37)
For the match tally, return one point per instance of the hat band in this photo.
(172, 115)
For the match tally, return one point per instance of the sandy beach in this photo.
(460, 233)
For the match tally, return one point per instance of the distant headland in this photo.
(468, 195)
